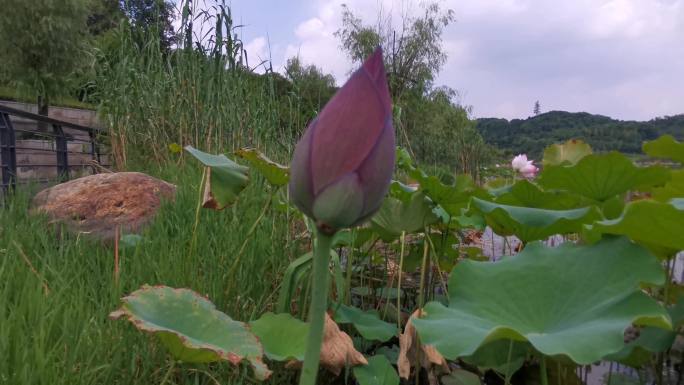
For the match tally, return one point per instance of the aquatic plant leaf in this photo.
(282, 336)
(602, 176)
(368, 323)
(191, 328)
(530, 224)
(379, 371)
(672, 189)
(225, 180)
(651, 340)
(461, 377)
(527, 194)
(494, 356)
(572, 300)
(396, 216)
(275, 173)
(650, 223)
(568, 153)
(665, 147)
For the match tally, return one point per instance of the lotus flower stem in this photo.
(401, 266)
(542, 371)
(319, 302)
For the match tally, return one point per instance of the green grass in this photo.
(10, 93)
(57, 291)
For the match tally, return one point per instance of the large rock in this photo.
(97, 204)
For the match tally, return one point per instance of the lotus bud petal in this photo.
(343, 164)
(519, 162)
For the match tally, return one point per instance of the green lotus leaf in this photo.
(368, 323)
(225, 180)
(191, 328)
(395, 216)
(673, 189)
(568, 153)
(531, 224)
(665, 147)
(602, 176)
(650, 223)
(495, 356)
(275, 173)
(461, 377)
(379, 371)
(572, 300)
(453, 198)
(401, 191)
(651, 340)
(525, 193)
(282, 335)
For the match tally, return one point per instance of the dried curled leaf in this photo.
(337, 350)
(411, 351)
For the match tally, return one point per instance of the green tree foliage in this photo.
(413, 53)
(104, 16)
(532, 135)
(151, 16)
(442, 133)
(429, 120)
(312, 87)
(42, 45)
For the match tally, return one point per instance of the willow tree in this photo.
(43, 44)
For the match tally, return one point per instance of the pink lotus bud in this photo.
(343, 164)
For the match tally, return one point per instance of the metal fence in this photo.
(38, 149)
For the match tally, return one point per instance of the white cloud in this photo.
(257, 51)
(614, 57)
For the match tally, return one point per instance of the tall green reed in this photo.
(203, 93)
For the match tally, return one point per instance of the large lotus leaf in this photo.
(568, 153)
(191, 328)
(495, 356)
(665, 147)
(395, 216)
(453, 198)
(525, 193)
(275, 173)
(673, 189)
(651, 340)
(379, 371)
(461, 377)
(602, 176)
(572, 300)
(530, 224)
(225, 180)
(369, 324)
(282, 335)
(650, 223)
(401, 191)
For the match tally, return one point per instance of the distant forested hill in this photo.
(533, 134)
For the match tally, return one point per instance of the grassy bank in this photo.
(56, 291)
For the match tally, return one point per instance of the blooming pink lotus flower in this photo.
(343, 164)
(524, 166)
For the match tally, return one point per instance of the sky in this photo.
(619, 58)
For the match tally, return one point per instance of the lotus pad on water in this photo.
(191, 328)
(531, 224)
(571, 300)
